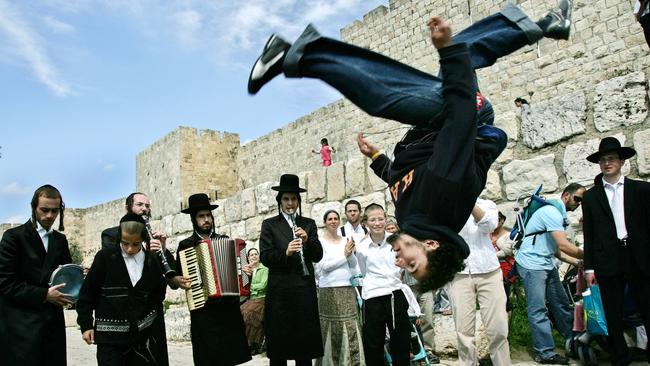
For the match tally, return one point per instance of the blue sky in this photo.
(87, 84)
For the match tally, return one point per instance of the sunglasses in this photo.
(577, 199)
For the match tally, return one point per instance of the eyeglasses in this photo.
(577, 199)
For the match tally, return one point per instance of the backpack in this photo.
(534, 203)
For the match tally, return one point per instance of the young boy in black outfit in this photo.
(441, 164)
(125, 288)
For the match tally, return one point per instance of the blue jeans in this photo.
(386, 88)
(542, 287)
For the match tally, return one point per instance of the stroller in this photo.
(418, 353)
(580, 346)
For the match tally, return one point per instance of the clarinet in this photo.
(305, 271)
(167, 269)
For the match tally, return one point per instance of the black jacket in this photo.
(217, 329)
(123, 314)
(291, 320)
(602, 250)
(32, 331)
(438, 178)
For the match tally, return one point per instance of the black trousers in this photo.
(379, 313)
(612, 289)
(277, 362)
(110, 355)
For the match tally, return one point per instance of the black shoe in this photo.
(555, 360)
(269, 64)
(560, 21)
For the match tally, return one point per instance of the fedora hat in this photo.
(289, 183)
(197, 202)
(611, 144)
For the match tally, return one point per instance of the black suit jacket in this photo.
(602, 249)
(29, 326)
(286, 271)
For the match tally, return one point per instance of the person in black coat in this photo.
(120, 303)
(616, 225)
(288, 246)
(137, 203)
(32, 327)
(217, 328)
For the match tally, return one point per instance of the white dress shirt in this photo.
(134, 265)
(335, 269)
(377, 262)
(482, 257)
(616, 201)
(350, 231)
(44, 234)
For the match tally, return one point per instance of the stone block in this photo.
(642, 147)
(232, 208)
(551, 121)
(177, 324)
(265, 197)
(575, 164)
(507, 121)
(492, 189)
(376, 184)
(316, 185)
(620, 101)
(168, 225)
(336, 182)
(319, 209)
(248, 203)
(253, 228)
(355, 177)
(238, 230)
(522, 176)
(181, 223)
(219, 213)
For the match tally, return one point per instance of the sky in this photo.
(85, 85)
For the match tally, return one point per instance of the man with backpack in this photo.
(546, 239)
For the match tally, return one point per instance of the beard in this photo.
(203, 231)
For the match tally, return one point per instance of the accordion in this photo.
(215, 268)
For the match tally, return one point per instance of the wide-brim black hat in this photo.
(198, 202)
(611, 144)
(289, 183)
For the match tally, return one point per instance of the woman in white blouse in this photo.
(337, 305)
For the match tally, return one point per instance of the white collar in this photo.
(138, 257)
(620, 182)
(41, 230)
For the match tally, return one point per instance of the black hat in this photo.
(197, 202)
(132, 217)
(611, 144)
(289, 183)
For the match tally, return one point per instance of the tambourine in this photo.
(73, 277)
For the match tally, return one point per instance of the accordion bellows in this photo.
(215, 268)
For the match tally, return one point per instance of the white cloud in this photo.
(30, 48)
(17, 219)
(187, 23)
(58, 26)
(14, 188)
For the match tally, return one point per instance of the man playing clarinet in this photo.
(288, 247)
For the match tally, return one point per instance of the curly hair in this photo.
(443, 265)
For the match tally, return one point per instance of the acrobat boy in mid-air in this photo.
(441, 164)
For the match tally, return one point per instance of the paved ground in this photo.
(180, 354)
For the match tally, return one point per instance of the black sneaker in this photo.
(560, 26)
(555, 360)
(269, 64)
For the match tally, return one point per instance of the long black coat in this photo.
(32, 331)
(217, 329)
(602, 252)
(291, 321)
